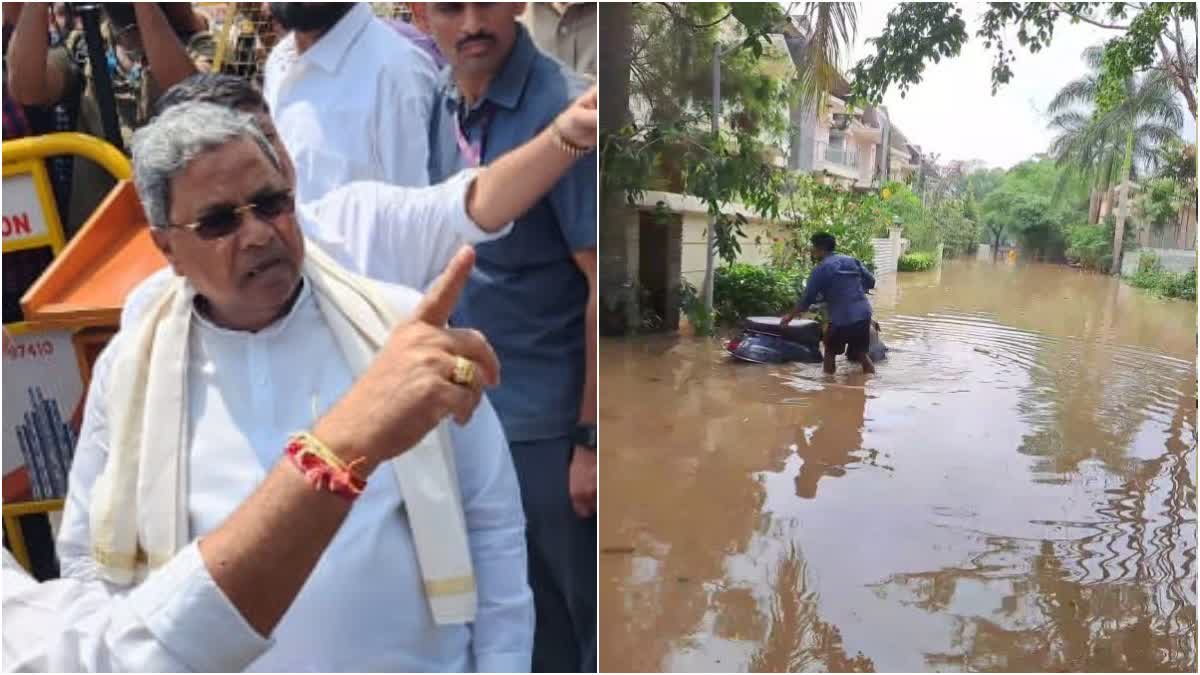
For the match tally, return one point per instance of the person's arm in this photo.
(184, 18)
(12, 13)
(502, 634)
(168, 58)
(812, 289)
(583, 475)
(68, 625)
(379, 223)
(259, 558)
(868, 279)
(33, 77)
(573, 201)
(232, 586)
(817, 281)
(514, 182)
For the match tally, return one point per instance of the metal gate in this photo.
(887, 254)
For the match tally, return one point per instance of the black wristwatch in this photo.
(584, 436)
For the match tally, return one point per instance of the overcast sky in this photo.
(952, 111)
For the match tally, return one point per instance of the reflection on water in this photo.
(1015, 489)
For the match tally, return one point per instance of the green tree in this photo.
(904, 204)
(1023, 206)
(1146, 117)
(1172, 188)
(1177, 160)
(664, 61)
(1147, 36)
(809, 207)
(1161, 199)
(959, 233)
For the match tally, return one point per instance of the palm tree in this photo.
(1090, 159)
(1126, 137)
(828, 30)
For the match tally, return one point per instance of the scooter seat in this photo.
(804, 331)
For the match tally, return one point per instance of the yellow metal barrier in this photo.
(25, 156)
(12, 525)
(70, 143)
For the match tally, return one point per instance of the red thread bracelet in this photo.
(322, 473)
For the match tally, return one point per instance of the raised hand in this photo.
(580, 120)
(411, 385)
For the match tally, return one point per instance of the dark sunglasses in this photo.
(222, 222)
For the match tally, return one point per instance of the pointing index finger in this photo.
(439, 301)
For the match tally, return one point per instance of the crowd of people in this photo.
(351, 425)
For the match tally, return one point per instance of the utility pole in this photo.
(710, 250)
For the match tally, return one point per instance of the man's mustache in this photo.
(487, 37)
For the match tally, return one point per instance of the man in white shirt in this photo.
(350, 97)
(232, 586)
(403, 235)
(260, 337)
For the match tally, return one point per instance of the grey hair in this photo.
(165, 146)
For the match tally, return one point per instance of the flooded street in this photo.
(1015, 489)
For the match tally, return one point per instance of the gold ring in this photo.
(464, 372)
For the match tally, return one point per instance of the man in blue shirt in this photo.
(842, 281)
(533, 294)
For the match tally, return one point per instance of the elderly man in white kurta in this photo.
(194, 400)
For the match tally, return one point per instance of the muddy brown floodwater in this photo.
(1014, 490)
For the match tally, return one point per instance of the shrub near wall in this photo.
(1152, 277)
(1090, 246)
(917, 262)
(741, 290)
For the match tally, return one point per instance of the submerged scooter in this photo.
(763, 340)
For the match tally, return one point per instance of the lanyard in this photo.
(472, 151)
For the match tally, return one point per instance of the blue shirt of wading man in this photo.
(843, 281)
(526, 292)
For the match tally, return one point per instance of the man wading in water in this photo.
(843, 281)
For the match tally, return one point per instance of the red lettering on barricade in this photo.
(29, 350)
(17, 225)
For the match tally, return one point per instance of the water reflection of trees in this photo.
(1071, 626)
(1087, 399)
(798, 640)
(1094, 374)
(691, 468)
(1120, 599)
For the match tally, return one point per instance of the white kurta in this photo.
(363, 608)
(398, 235)
(72, 626)
(354, 106)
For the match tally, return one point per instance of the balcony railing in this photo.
(842, 156)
